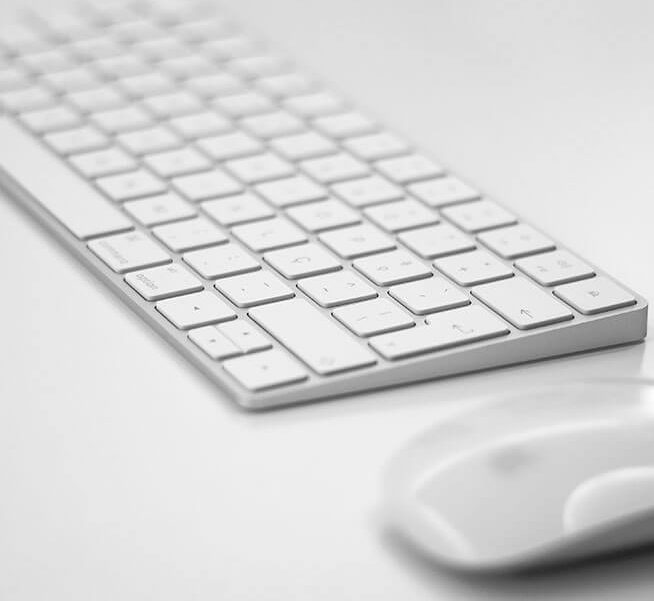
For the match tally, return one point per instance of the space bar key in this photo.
(312, 337)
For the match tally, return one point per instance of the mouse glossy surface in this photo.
(555, 474)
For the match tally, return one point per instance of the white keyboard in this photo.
(286, 243)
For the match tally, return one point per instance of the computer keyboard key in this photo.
(478, 215)
(80, 139)
(401, 215)
(245, 336)
(312, 337)
(230, 146)
(334, 168)
(214, 84)
(251, 289)
(260, 168)
(373, 147)
(221, 261)
(336, 289)
(522, 303)
(244, 104)
(308, 145)
(270, 125)
(251, 67)
(291, 190)
(373, 317)
(27, 99)
(367, 191)
(116, 121)
(50, 119)
(443, 191)
(553, 268)
(393, 267)
(47, 61)
(409, 168)
(177, 162)
(184, 67)
(156, 210)
(103, 162)
(189, 234)
(344, 125)
(475, 267)
(162, 282)
(231, 47)
(200, 125)
(149, 140)
(285, 84)
(127, 186)
(595, 295)
(357, 241)
(429, 296)
(173, 104)
(443, 330)
(212, 342)
(96, 100)
(516, 241)
(12, 79)
(314, 104)
(195, 310)
(234, 210)
(147, 84)
(73, 80)
(268, 234)
(323, 215)
(302, 261)
(202, 186)
(268, 369)
(121, 66)
(129, 251)
(437, 241)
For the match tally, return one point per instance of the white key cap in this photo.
(241, 208)
(221, 261)
(373, 147)
(52, 119)
(216, 84)
(393, 267)
(96, 100)
(595, 295)
(314, 104)
(134, 184)
(334, 168)
(373, 317)
(230, 146)
(443, 191)
(409, 168)
(312, 337)
(475, 267)
(103, 162)
(303, 146)
(558, 267)
(478, 215)
(270, 125)
(231, 47)
(268, 234)
(291, 190)
(96, 47)
(285, 84)
(162, 282)
(203, 27)
(302, 261)
(177, 162)
(323, 215)
(368, 190)
(211, 184)
(245, 336)
(27, 99)
(185, 235)
(259, 168)
(73, 80)
(213, 343)
(337, 289)
(194, 310)
(444, 330)
(516, 241)
(257, 66)
(12, 79)
(72, 201)
(122, 119)
(428, 296)
(401, 215)
(437, 241)
(156, 210)
(151, 139)
(161, 48)
(48, 61)
(173, 104)
(122, 66)
(147, 84)
(126, 252)
(522, 303)
(251, 289)
(184, 67)
(244, 105)
(356, 241)
(80, 139)
(265, 370)
(200, 125)
(344, 125)
(136, 30)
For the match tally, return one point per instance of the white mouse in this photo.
(551, 476)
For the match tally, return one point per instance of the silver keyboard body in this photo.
(496, 311)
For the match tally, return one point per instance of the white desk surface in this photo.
(125, 475)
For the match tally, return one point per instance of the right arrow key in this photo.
(522, 303)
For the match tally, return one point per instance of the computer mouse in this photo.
(546, 476)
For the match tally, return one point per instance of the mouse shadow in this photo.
(618, 571)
